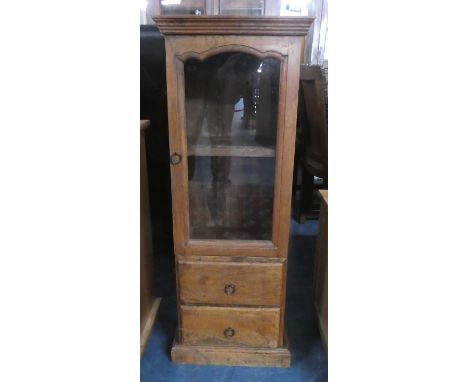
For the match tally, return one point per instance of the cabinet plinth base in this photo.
(230, 355)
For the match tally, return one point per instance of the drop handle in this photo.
(229, 289)
(176, 158)
(229, 332)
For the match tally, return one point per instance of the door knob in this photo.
(229, 289)
(229, 332)
(176, 158)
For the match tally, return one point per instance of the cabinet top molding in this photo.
(233, 25)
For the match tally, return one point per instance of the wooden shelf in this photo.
(231, 151)
(235, 146)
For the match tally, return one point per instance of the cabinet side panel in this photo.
(288, 144)
(285, 163)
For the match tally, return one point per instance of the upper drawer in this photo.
(230, 283)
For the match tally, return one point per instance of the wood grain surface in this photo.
(207, 325)
(230, 283)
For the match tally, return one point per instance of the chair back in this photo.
(312, 117)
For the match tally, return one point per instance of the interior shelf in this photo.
(232, 151)
(234, 147)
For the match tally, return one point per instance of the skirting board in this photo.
(230, 355)
(144, 335)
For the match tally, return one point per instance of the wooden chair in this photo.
(312, 142)
(321, 272)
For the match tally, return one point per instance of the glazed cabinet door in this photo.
(231, 107)
(228, 145)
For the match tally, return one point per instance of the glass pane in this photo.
(296, 7)
(183, 7)
(231, 116)
(242, 7)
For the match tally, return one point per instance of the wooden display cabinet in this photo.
(232, 88)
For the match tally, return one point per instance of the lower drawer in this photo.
(208, 325)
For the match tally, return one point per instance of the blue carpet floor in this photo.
(309, 362)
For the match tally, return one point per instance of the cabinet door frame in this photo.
(288, 50)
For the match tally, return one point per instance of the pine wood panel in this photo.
(230, 283)
(206, 325)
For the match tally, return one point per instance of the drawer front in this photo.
(209, 325)
(230, 283)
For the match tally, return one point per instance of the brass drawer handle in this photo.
(229, 289)
(229, 332)
(176, 158)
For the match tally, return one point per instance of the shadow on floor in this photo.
(309, 362)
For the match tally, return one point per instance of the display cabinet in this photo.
(232, 88)
(182, 7)
(217, 7)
